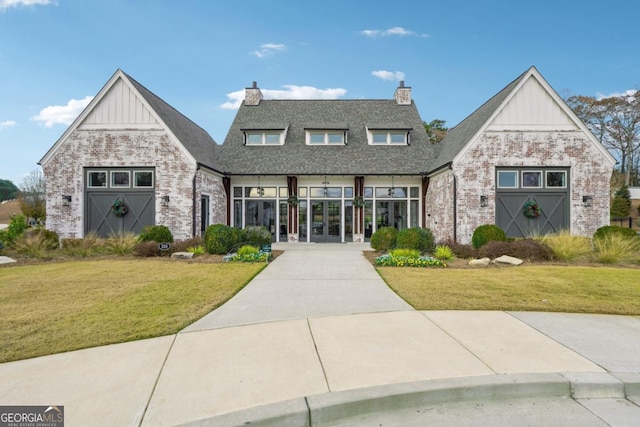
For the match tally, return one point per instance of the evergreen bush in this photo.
(384, 239)
(256, 235)
(607, 230)
(487, 233)
(220, 239)
(156, 233)
(417, 238)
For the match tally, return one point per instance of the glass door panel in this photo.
(333, 221)
(325, 221)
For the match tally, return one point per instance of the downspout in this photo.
(193, 203)
(455, 209)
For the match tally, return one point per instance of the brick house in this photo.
(128, 145)
(328, 170)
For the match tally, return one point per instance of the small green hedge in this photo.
(420, 239)
(156, 233)
(220, 239)
(614, 229)
(487, 233)
(384, 239)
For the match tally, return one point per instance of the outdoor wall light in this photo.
(586, 201)
(484, 201)
(66, 200)
(165, 201)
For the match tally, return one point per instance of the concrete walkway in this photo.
(317, 354)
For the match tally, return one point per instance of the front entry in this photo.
(325, 221)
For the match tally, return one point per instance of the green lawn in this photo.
(576, 289)
(55, 307)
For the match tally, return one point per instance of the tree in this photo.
(32, 195)
(615, 122)
(8, 190)
(436, 130)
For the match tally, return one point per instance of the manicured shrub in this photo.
(384, 239)
(221, 239)
(156, 233)
(417, 238)
(1, 247)
(525, 249)
(443, 252)
(487, 233)
(614, 229)
(256, 235)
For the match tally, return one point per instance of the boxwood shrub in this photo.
(384, 239)
(156, 233)
(487, 233)
(614, 229)
(220, 239)
(420, 239)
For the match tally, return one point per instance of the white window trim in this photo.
(263, 133)
(540, 180)
(112, 184)
(405, 132)
(153, 179)
(517, 184)
(325, 133)
(564, 172)
(106, 180)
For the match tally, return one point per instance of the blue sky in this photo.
(199, 55)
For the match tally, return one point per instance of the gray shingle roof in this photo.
(459, 136)
(195, 139)
(357, 157)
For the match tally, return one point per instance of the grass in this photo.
(574, 289)
(57, 307)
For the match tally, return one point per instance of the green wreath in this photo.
(358, 201)
(119, 208)
(531, 209)
(292, 201)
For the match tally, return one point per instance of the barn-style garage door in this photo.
(532, 202)
(119, 200)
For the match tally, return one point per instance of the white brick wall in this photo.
(475, 173)
(175, 171)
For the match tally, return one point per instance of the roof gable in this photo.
(528, 103)
(123, 103)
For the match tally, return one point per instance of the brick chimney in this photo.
(252, 95)
(403, 94)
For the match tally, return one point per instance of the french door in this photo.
(261, 212)
(325, 221)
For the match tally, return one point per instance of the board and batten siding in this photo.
(120, 107)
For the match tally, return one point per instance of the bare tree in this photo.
(615, 121)
(32, 195)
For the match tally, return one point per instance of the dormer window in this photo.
(388, 136)
(264, 137)
(326, 137)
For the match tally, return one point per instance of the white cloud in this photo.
(389, 75)
(6, 4)
(395, 31)
(289, 92)
(269, 49)
(626, 94)
(62, 114)
(7, 124)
